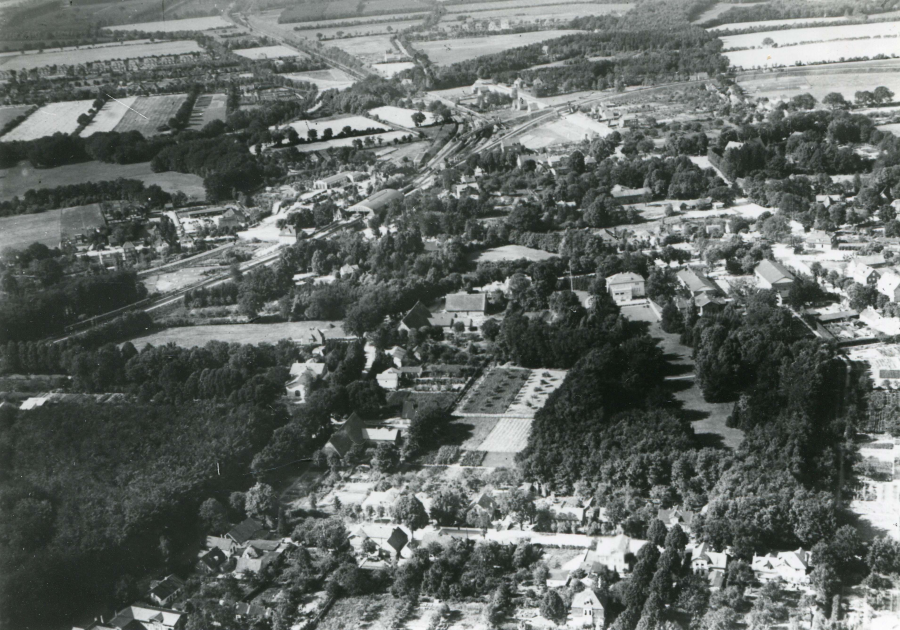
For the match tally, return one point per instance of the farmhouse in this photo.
(773, 275)
(862, 273)
(625, 287)
(417, 317)
(247, 530)
(819, 240)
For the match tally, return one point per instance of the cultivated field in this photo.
(535, 12)
(495, 392)
(370, 48)
(10, 113)
(49, 119)
(17, 180)
(448, 51)
(110, 115)
(207, 108)
(534, 393)
(513, 252)
(268, 52)
(21, 231)
(330, 79)
(819, 81)
(127, 50)
(390, 69)
(174, 26)
(149, 113)
(821, 52)
(568, 129)
(878, 499)
(793, 22)
(476, 8)
(192, 336)
(509, 436)
(356, 123)
(359, 29)
(400, 116)
(818, 34)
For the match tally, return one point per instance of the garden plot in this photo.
(495, 392)
(268, 52)
(510, 435)
(810, 35)
(149, 113)
(331, 79)
(390, 69)
(207, 108)
(568, 129)
(400, 116)
(534, 393)
(819, 52)
(50, 119)
(74, 57)
(448, 51)
(174, 26)
(109, 116)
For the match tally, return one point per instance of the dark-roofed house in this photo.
(354, 431)
(142, 617)
(677, 516)
(696, 283)
(212, 560)
(468, 304)
(258, 555)
(773, 275)
(416, 318)
(164, 591)
(247, 530)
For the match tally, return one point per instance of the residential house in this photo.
(587, 610)
(705, 561)
(211, 561)
(304, 374)
(819, 240)
(399, 356)
(466, 304)
(709, 304)
(163, 592)
(625, 287)
(875, 261)
(257, 555)
(862, 273)
(485, 503)
(247, 530)
(389, 540)
(140, 617)
(773, 275)
(677, 516)
(232, 219)
(616, 552)
(889, 285)
(389, 379)
(417, 317)
(696, 283)
(790, 566)
(249, 612)
(625, 195)
(354, 432)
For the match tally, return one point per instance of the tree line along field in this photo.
(816, 34)
(821, 80)
(349, 9)
(450, 51)
(71, 57)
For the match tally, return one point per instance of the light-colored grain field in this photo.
(893, 128)
(109, 116)
(19, 179)
(127, 50)
(788, 85)
(513, 252)
(390, 69)
(330, 79)
(510, 435)
(192, 336)
(400, 116)
(49, 119)
(793, 22)
(448, 51)
(822, 52)
(174, 26)
(817, 34)
(207, 108)
(10, 113)
(148, 113)
(268, 52)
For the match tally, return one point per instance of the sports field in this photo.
(268, 52)
(330, 79)
(173, 26)
(49, 119)
(148, 113)
(127, 50)
(109, 115)
(17, 180)
(448, 51)
(192, 336)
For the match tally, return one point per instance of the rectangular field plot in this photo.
(70, 57)
(331, 79)
(821, 82)
(370, 48)
(21, 231)
(360, 29)
(510, 435)
(448, 51)
(495, 392)
(356, 123)
(109, 116)
(400, 116)
(788, 22)
(390, 69)
(207, 108)
(49, 119)
(533, 395)
(268, 52)
(818, 34)
(174, 26)
(820, 52)
(380, 139)
(149, 113)
(192, 336)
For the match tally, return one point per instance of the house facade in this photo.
(625, 287)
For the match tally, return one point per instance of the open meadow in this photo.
(148, 113)
(109, 116)
(49, 119)
(192, 336)
(820, 52)
(400, 116)
(388, 70)
(519, 13)
(805, 35)
(845, 78)
(25, 229)
(791, 22)
(17, 180)
(449, 51)
(174, 26)
(370, 48)
(126, 50)
(268, 52)
(330, 79)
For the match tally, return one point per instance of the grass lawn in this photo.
(478, 428)
(496, 392)
(26, 229)
(193, 336)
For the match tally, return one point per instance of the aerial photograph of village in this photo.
(449, 314)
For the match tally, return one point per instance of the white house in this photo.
(389, 379)
(705, 561)
(625, 287)
(819, 240)
(790, 566)
(862, 273)
(587, 610)
(889, 285)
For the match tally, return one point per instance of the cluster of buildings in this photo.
(193, 222)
